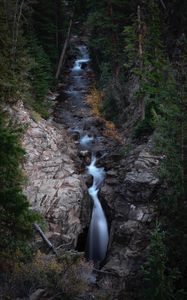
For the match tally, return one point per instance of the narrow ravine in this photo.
(72, 113)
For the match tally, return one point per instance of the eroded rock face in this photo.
(129, 195)
(53, 186)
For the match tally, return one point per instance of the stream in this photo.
(72, 112)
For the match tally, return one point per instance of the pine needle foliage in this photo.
(158, 278)
(15, 217)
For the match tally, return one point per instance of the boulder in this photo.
(89, 180)
(84, 65)
(37, 294)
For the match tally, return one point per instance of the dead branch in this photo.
(105, 272)
(45, 239)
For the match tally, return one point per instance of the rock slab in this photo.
(53, 187)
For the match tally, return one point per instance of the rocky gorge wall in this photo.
(53, 185)
(129, 194)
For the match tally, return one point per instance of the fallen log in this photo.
(45, 239)
(62, 56)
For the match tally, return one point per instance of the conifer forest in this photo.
(93, 150)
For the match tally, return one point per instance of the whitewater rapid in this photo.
(98, 229)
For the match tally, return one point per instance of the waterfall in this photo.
(98, 230)
(84, 59)
(97, 240)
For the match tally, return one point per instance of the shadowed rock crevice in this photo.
(82, 240)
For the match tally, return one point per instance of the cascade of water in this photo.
(78, 63)
(86, 140)
(98, 230)
(97, 240)
(84, 59)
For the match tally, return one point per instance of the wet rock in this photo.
(84, 65)
(86, 160)
(75, 136)
(92, 122)
(89, 180)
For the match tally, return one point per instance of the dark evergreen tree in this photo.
(15, 217)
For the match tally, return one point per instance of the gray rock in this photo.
(133, 190)
(37, 294)
(52, 187)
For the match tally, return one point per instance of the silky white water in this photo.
(98, 230)
(97, 240)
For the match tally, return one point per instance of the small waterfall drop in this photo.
(86, 141)
(80, 61)
(97, 240)
(98, 230)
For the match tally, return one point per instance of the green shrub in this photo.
(147, 126)
(41, 79)
(64, 277)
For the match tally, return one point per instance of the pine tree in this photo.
(15, 217)
(158, 278)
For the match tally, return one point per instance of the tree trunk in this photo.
(16, 23)
(140, 51)
(61, 60)
(114, 41)
(56, 23)
(62, 56)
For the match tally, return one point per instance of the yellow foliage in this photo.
(94, 99)
(35, 116)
